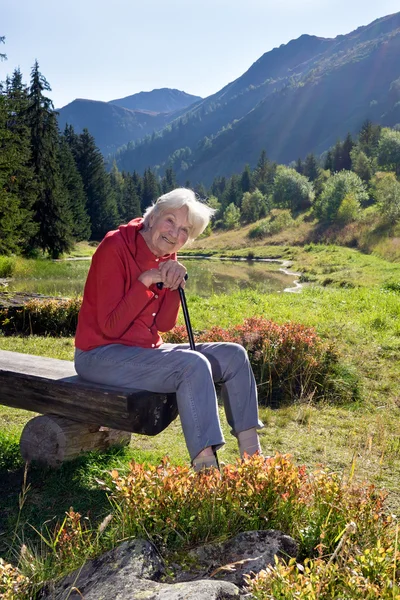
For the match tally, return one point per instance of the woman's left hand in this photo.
(173, 274)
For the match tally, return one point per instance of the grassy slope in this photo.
(351, 307)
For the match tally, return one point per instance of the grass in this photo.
(356, 304)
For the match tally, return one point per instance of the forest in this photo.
(57, 188)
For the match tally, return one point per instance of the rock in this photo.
(246, 553)
(119, 568)
(134, 570)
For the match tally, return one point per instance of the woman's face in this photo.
(168, 231)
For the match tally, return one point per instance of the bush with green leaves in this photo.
(56, 317)
(231, 218)
(292, 190)
(267, 227)
(386, 191)
(389, 150)
(254, 206)
(336, 188)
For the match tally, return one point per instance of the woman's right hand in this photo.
(151, 276)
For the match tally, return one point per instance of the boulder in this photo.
(134, 570)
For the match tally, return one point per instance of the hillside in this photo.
(114, 124)
(295, 99)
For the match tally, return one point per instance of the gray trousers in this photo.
(191, 375)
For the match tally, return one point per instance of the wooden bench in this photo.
(77, 415)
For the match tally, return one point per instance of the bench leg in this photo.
(52, 440)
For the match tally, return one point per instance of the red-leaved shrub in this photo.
(290, 361)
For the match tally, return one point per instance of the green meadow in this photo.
(351, 299)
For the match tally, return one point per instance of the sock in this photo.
(248, 442)
(204, 460)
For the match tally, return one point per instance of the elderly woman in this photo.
(118, 341)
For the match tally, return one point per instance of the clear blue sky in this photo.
(106, 50)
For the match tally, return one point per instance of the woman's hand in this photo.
(149, 277)
(173, 274)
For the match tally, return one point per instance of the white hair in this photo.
(199, 214)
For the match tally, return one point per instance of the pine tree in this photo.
(150, 190)
(51, 208)
(131, 200)
(117, 186)
(73, 186)
(233, 193)
(299, 166)
(311, 168)
(347, 147)
(264, 174)
(368, 138)
(101, 202)
(18, 182)
(328, 166)
(168, 182)
(246, 183)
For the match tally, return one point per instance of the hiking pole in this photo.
(185, 311)
(189, 329)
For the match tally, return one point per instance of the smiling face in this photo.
(168, 231)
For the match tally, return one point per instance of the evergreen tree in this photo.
(101, 202)
(150, 189)
(52, 213)
(368, 138)
(337, 157)
(299, 166)
(168, 182)
(347, 147)
(328, 165)
(218, 187)
(138, 182)
(233, 193)
(246, 180)
(264, 174)
(311, 169)
(117, 186)
(16, 153)
(73, 186)
(12, 214)
(131, 200)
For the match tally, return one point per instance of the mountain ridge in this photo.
(303, 77)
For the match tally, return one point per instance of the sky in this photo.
(106, 50)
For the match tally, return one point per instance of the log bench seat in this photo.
(77, 415)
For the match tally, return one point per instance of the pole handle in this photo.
(160, 284)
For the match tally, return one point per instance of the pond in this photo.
(206, 277)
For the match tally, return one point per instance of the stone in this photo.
(246, 554)
(132, 572)
(135, 571)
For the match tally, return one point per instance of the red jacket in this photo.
(116, 307)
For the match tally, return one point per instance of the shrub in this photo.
(41, 317)
(335, 523)
(336, 188)
(290, 362)
(7, 266)
(271, 226)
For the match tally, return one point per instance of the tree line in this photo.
(56, 189)
(350, 176)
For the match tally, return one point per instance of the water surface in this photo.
(206, 277)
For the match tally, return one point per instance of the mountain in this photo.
(164, 100)
(296, 99)
(114, 125)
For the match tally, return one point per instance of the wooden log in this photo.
(52, 440)
(51, 386)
